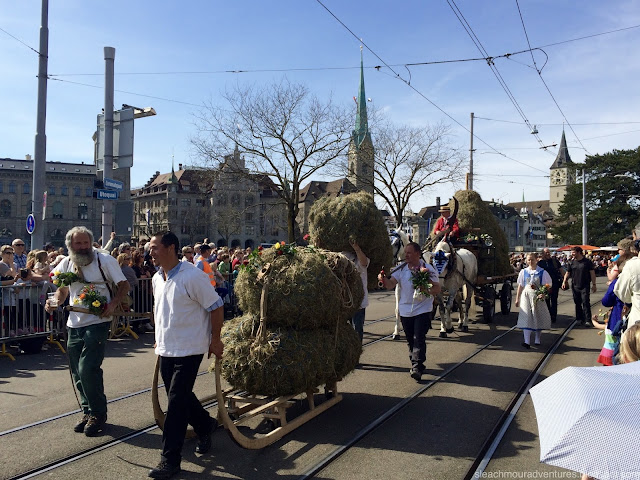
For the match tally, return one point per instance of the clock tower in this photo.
(561, 176)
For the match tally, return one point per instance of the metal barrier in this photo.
(24, 320)
(141, 310)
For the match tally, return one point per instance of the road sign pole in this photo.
(107, 207)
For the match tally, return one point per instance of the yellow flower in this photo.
(76, 301)
(96, 304)
(56, 273)
(277, 245)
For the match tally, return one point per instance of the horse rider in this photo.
(446, 229)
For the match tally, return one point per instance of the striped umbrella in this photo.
(589, 420)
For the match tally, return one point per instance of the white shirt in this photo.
(627, 288)
(91, 274)
(546, 278)
(182, 303)
(362, 270)
(407, 305)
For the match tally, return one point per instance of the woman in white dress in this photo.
(533, 315)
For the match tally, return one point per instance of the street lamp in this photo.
(584, 207)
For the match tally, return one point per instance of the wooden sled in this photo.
(245, 408)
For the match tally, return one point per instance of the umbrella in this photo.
(588, 420)
(584, 247)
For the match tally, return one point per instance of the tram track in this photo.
(310, 473)
(498, 431)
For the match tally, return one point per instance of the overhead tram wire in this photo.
(418, 92)
(555, 124)
(476, 41)
(539, 71)
(18, 40)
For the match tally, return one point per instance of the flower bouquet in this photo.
(542, 292)
(487, 239)
(421, 283)
(63, 279)
(91, 299)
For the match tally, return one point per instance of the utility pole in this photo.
(584, 208)
(107, 205)
(471, 156)
(40, 150)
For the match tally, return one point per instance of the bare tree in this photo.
(409, 160)
(283, 131)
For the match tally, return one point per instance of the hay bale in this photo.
(287, 361)
(303, 291)
(333, 221)
(474, 213)
(352, 291)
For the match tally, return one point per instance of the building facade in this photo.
(562, 174)
(361, 153)
(226, 205)
(70, 201)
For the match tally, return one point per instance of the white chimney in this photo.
(27, 157)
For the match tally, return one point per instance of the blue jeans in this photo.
(86, 346)
(358, 323)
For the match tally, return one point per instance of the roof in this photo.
(315, 189)
(429, 212)
(562, 159)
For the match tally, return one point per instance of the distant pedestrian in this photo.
(188, 314)
(582, 273)
(628, 287)
(556, 272)
(533, 315)
(361, 262)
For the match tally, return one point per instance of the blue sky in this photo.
(593, 80)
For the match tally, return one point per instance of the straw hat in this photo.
(445, 209)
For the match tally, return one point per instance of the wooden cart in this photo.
(489, 288)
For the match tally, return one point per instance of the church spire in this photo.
(173, 178)
(362, 125)
(562, 159)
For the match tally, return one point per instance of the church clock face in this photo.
(556, 177)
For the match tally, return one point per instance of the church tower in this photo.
(561, 176)
(361, 147)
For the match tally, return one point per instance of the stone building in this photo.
(70, 199)
(227, 205)
(361, 153)
(561, 176)
(315, 190)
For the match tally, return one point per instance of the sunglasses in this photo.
(7, 252)
(19, 245)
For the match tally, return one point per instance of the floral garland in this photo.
(254, 261)
(91, 299)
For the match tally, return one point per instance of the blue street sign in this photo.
(31, 223)
(108, 195)
(112, 184)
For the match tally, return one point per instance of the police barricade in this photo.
(24, 322)
(140, 312)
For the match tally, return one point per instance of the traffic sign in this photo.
(107, 195)
(111, 184)
(31, 224)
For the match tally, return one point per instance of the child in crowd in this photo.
(41, 265)
(630, 345)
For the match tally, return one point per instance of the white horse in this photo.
(457, 269)
(399, 240)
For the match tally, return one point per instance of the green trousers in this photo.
(86, 347)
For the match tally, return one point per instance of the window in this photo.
(248, 200)
(76, 191)
(88, 192)
(250, 230)
(235, 199)
(173, 202)
(248, 217)
(1, 188)
(12, 187)
(185, 229)
(57, 210)
(186, 202)
(52, 190)
(5, 208)
(222, 199)
(199, 202)
(64, 191)
(26, 188)
(83, 211)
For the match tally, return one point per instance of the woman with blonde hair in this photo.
(630, 344)
(534, 315)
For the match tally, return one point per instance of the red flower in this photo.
(307, 237)
(278, 252)
(260, 248)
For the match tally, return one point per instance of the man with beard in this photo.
(87, 333)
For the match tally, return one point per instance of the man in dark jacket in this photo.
(556, 272)
(582, 272)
